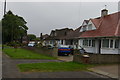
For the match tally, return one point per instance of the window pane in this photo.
(85, 42)
(111, 43)
(93, 43)
(89, 42)
(84, 28)
(117, 43)
(90, 27)
(105, 43)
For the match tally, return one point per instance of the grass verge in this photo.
(53, 67)
(24, 54)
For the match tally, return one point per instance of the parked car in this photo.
(50, 46)
(64, 50)
(82, 50)
(31, 44)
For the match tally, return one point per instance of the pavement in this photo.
(111, 71)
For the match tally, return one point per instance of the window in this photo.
(105, 43)
(85, 42)
(84, 28)
(61, 41)
(93, 43)
(111, 43)
(90, 27)
(117, 43)
(89, 42)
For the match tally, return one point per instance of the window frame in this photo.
(113, 43)
(88, 43)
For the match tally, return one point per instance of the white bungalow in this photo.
(101, 35)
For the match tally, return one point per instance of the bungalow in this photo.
(56, 36)
(99, 35)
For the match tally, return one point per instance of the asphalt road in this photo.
(10, 70)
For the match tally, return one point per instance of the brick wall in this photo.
(98, 58)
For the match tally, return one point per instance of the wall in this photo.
(109, 51)
(98, 58)
(90, 49)
(44, 50)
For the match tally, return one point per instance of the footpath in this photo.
(111, 71)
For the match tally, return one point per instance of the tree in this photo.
(31, 37)
(13, 27)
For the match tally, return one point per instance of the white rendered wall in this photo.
(109, 51)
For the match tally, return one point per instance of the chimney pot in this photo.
(104, 12)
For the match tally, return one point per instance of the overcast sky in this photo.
(45, 16)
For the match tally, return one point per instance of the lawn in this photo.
(53, 67)
(24, 54)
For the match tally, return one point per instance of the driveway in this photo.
(66, 58)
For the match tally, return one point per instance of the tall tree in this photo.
(31, 37)
(14, 27)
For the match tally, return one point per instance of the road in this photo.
(10, 70)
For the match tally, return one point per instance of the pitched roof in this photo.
(86, 21)
(73, 34)
(107, 26)
(60, 33)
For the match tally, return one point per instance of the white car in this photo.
(31, 44)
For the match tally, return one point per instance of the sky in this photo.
(42, 17)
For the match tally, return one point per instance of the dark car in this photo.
(64, 50)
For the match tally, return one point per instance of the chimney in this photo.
(41, 37)
(104, 12)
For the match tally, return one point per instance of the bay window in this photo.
(110, 43)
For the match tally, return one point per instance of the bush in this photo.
(14, 44)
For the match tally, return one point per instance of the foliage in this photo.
(14, 44)
(24, 54)
(37, 39)
(53, 67)
(13, 27)
(31, 37)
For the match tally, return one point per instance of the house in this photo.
(57, 36)
(101, 35)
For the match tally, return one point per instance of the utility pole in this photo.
(5, 7)
(2, 33)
